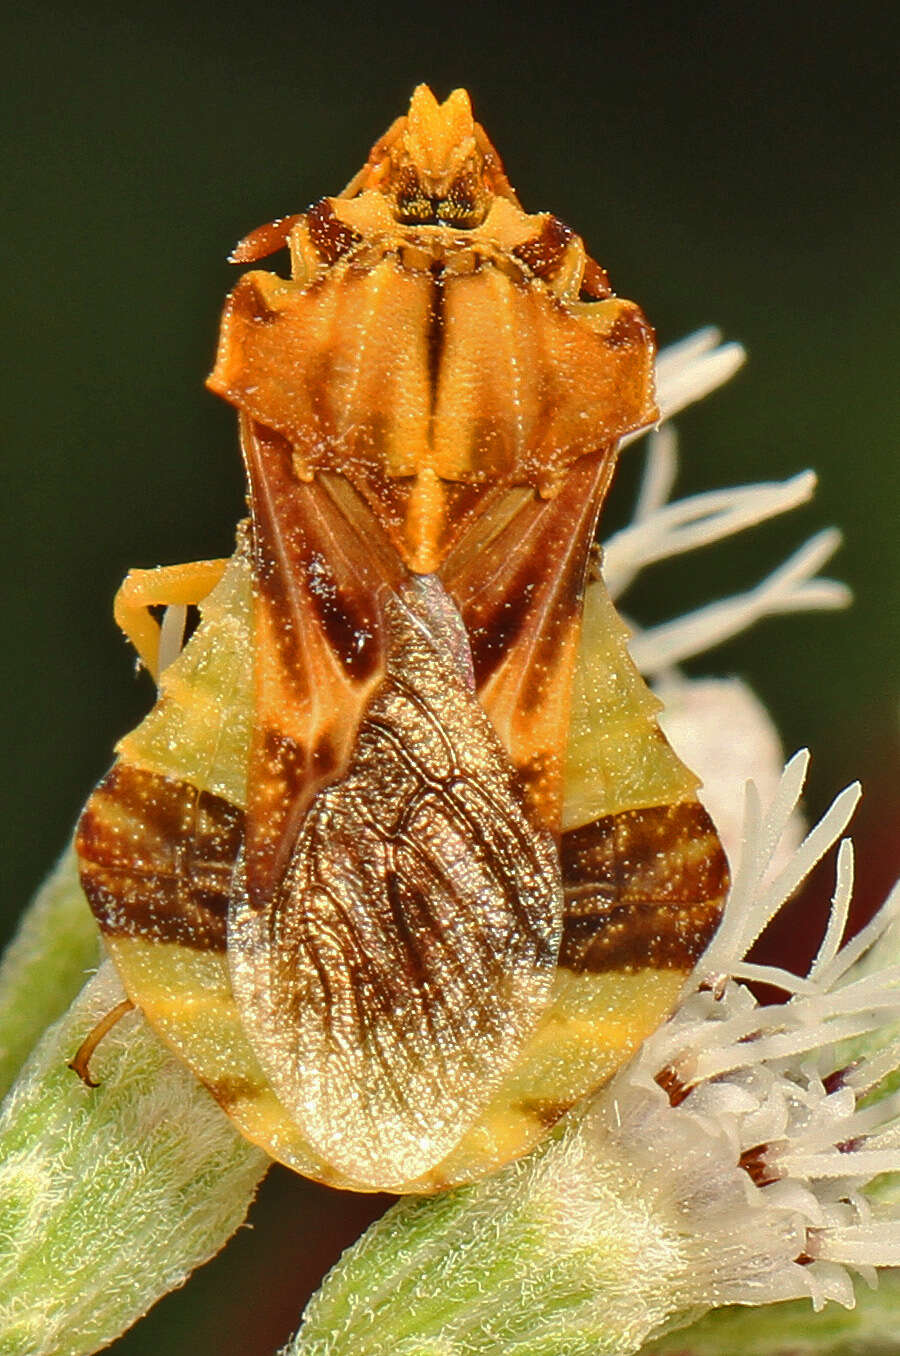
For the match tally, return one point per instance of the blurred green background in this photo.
(728, 163)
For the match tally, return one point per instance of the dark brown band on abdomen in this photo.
(157, 857)
(642, 888)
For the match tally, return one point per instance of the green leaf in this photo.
(109, 1196)
(45, 965)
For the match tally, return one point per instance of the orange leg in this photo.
(81, 1060)
(167, 586)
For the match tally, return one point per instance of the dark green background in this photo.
(728, 163)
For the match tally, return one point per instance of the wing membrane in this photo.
(321, 566)
(518, 580)
(407, 954)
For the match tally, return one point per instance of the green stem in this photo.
(45, 965)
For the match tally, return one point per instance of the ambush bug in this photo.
(400, 863)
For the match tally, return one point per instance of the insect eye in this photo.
(411, 202)
(462, 204)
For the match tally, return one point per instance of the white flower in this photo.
(773, 1149)
(661, 529)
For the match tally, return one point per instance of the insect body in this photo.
(400, 863)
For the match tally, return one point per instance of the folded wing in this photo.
(407, 953)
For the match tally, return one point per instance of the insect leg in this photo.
(82, 1057)
(167, 586)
